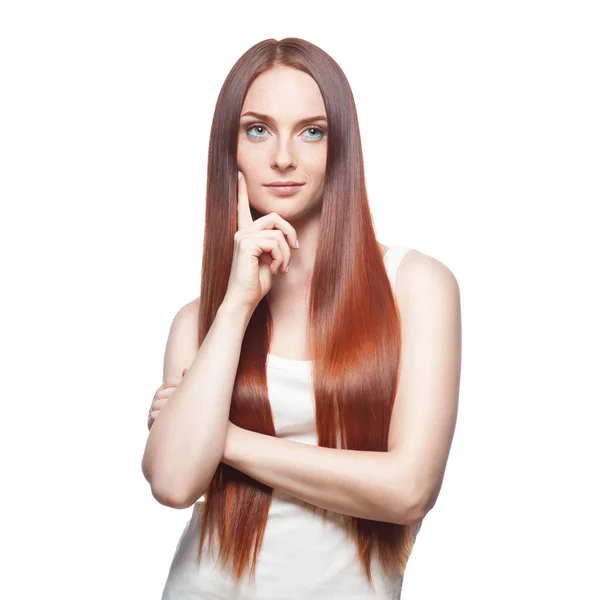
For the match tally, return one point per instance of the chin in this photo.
(287, 208)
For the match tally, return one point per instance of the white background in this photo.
(480, 124)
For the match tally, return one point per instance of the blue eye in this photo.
(258, 137)
(254, 127)
(317, 129)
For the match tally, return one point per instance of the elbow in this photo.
(182, 501)
(167, 496)
(171, 489)
(416, 514)
(410, 506)
(162, 492)
(417, 508)
(408, 513)
(164, 495)
(170, 500)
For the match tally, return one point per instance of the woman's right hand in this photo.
(262, 248)
(162, 394)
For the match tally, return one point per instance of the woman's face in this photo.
(282, 141)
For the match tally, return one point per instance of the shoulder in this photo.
(184, 326)
(182, 342)
(188, 314)
(423, 280)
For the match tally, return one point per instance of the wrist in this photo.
(232, 309)
(231, 438)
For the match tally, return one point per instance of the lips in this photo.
(284, 189)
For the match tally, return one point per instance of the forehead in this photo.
(284, 93)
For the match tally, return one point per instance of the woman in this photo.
(318, 445)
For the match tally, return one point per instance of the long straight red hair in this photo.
(354, 322)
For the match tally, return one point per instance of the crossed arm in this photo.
(401, 485)
(359, 484)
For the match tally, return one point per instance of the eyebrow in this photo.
(269, 119)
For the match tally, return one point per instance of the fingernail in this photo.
(298, 243)
(239, 175)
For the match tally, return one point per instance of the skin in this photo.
(283, 148)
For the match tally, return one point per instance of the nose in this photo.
(283, 158)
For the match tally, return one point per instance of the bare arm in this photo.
(186, 442)
(401, 485)
(358, 483)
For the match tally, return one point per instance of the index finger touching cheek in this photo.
(244, 215)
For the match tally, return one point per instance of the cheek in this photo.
(250, 162)
(316, 163)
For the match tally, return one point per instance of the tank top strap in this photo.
(392, 259)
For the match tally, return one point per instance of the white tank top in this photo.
(302, 556)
